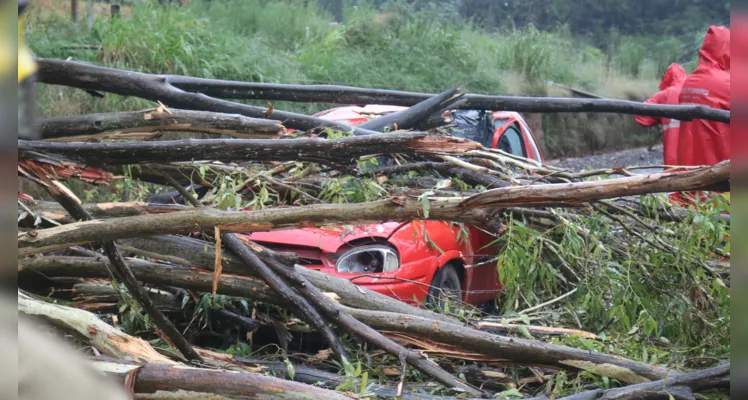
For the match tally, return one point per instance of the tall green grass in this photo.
(295, 41)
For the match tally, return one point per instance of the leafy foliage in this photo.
(655, 285)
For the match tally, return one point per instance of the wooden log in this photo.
(104, 337)
(360, 96)
(344, 150)
(454, 334)
(477, 210)
(159, 381)
(56, 212)
(410, 117)
(157, 88)
(680, 387)
(114, 125)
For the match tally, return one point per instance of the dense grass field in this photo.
(293, 41)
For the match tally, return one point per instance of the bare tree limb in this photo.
(157, 88)
(362, 96)
(478, 210)
(170, 381)
(410, 117)
(120, 124)
(694, 382)
(344, 149)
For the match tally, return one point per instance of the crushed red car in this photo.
(417, 261)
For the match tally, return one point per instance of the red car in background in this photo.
(417, 261)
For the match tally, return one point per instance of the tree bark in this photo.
(104, 337)
(56, 212)
(120, 124)
(172, 381)
(360, 96)
(515, 349)
(477, 210)
(681, 387)
(157, 88)
(235, 150)
(410, 117)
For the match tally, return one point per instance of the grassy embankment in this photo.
(292, 43)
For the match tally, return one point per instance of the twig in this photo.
(549, 302)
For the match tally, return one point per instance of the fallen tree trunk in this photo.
(56, 212)
(361, 96)
(233, 150)
(157, 88)
(105, 338)
(478, 210)
(679, 387)
(515, 349)
(159, 381)
(119, 124)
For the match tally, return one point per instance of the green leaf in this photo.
(290, 368)
(525, 332)
(425, 203)
(525, 319)
(364, 382)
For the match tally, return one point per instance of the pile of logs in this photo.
(102, 258)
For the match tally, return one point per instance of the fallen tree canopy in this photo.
(606, 290)
(515, 349)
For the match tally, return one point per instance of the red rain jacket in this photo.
(705, 142)
(669, 92)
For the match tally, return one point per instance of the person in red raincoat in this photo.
(703, 142)
(670, 87)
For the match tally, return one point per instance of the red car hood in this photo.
(328, 239)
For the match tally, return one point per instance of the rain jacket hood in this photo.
(674, 75)
(716, 48)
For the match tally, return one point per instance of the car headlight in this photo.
(368, 259)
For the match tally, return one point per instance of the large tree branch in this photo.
(174, 381)
(455, 334)
(477, 210)
(361, 96)
(157, 88)
(344, 149)
(120, 124)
